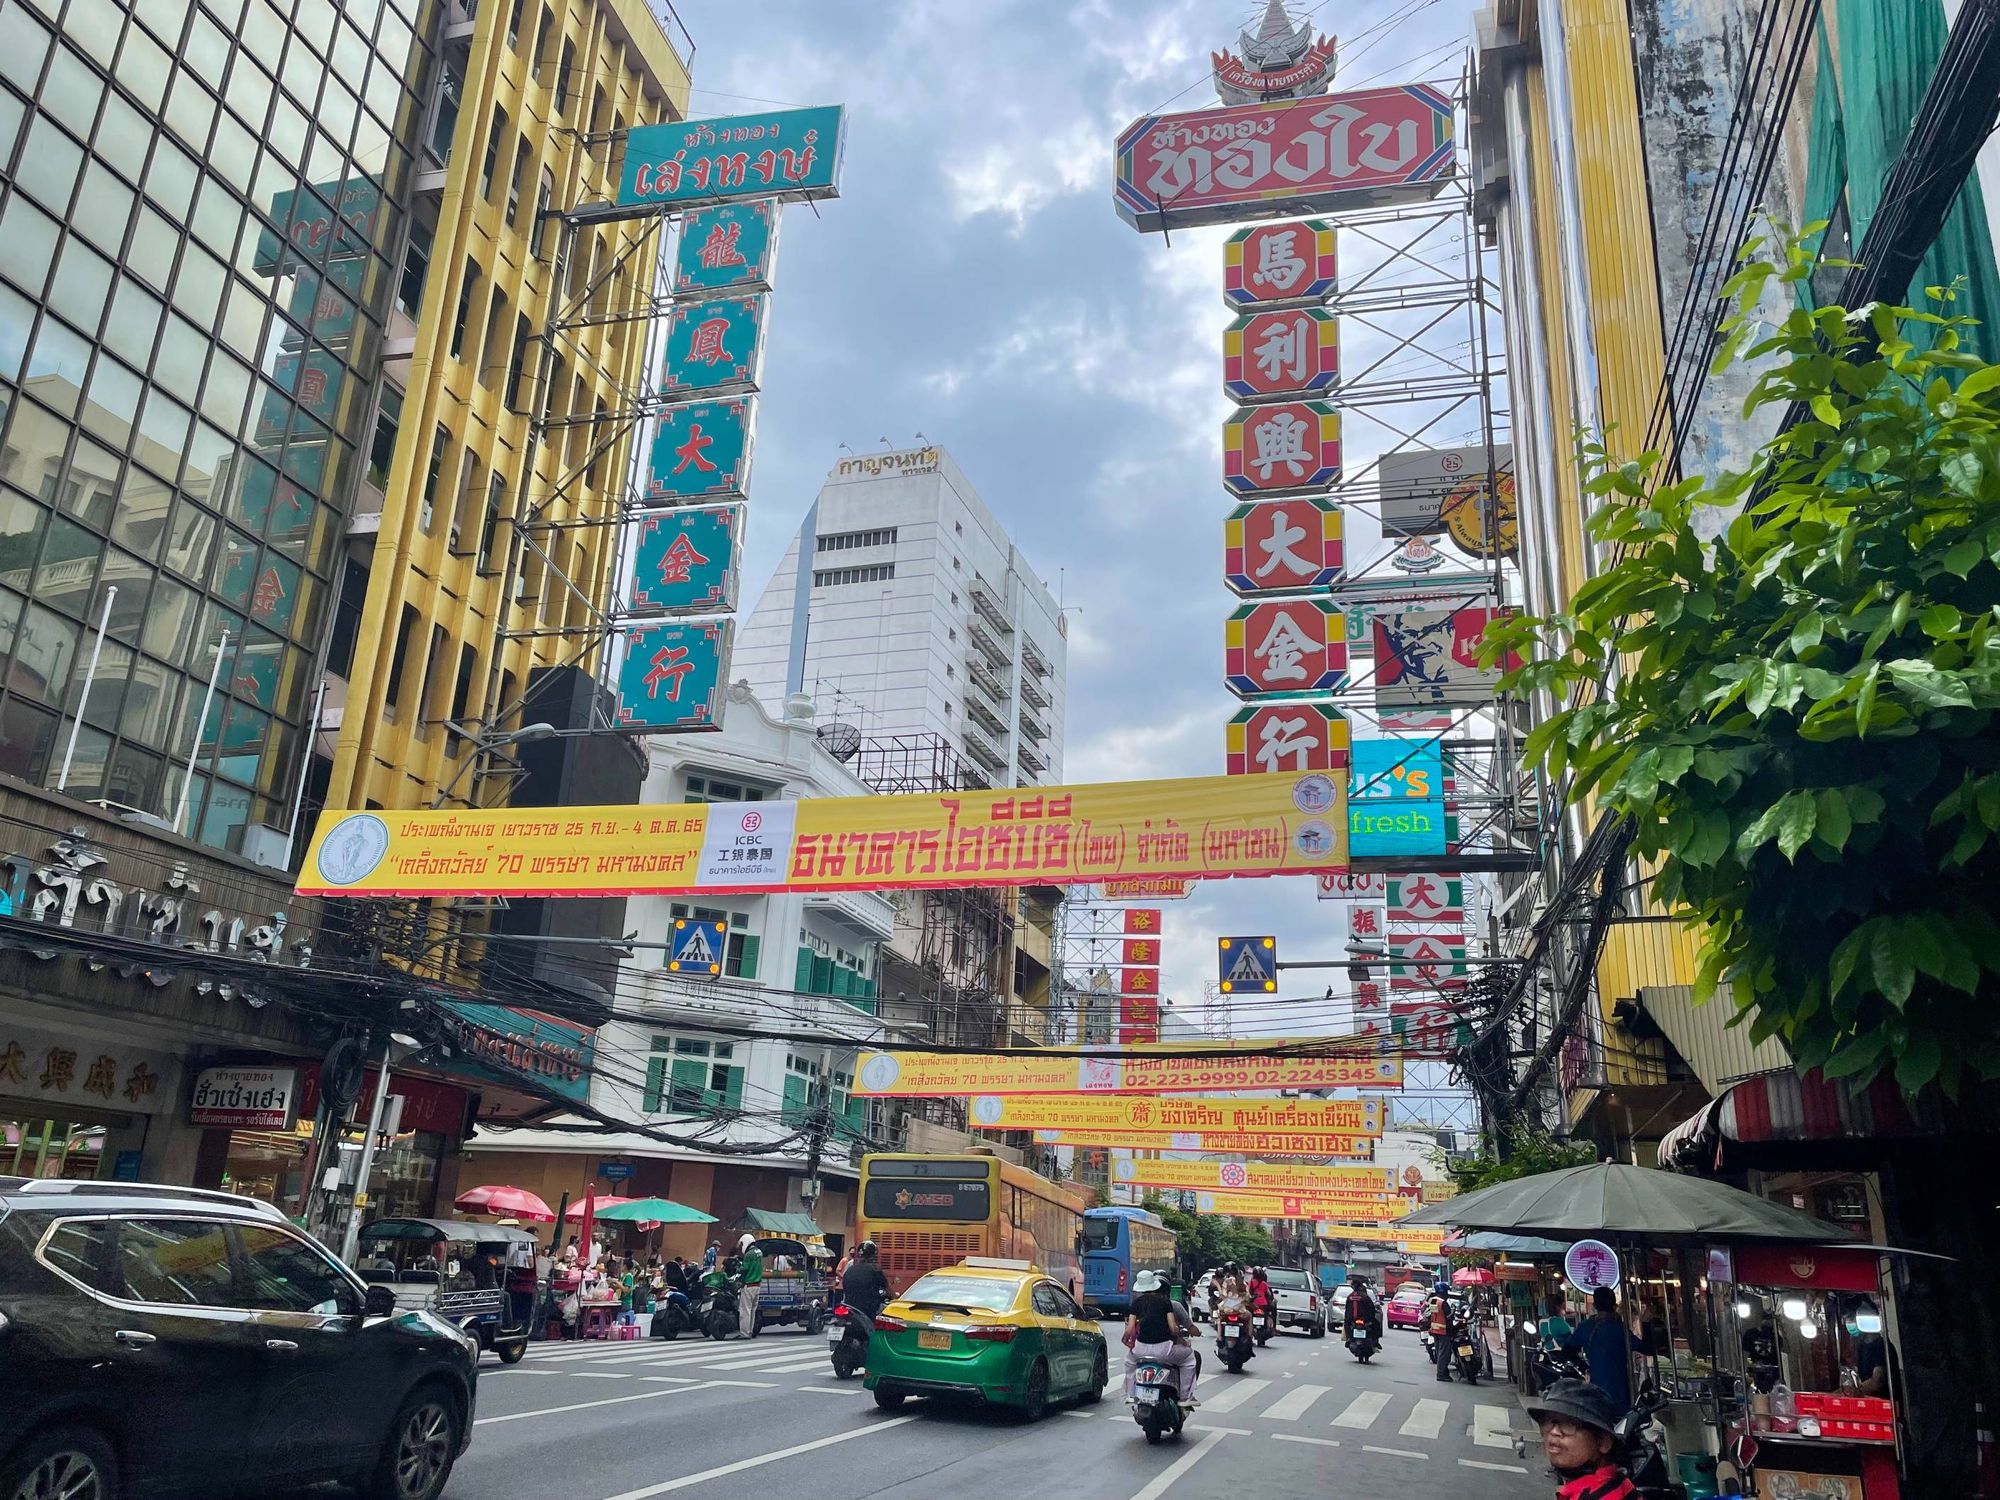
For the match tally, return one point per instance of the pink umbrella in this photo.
(514, 1202)
(587, 1210)
(1472, 1276)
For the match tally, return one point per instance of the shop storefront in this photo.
(78, 1105)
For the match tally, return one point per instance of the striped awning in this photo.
(1790, 1106)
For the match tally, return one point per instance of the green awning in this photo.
(768, 1221)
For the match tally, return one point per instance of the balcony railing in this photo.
(1031, 692)
(982, 672)
(987, 602)
(986, 641)
(1033, 727)
(1032, 760)
(1036, 662)
(983, 713)
(982, 749)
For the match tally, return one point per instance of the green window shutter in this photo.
(843, 980)
(868, 987)
(856, 1113)
(795, 1097)
(689, 1076)
(747, 969)
(732, 1097)
(656, 1073)
(803, 980)
(822, 976)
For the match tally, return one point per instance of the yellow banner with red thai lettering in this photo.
(1206, 827)
(1300, 1144)
(1224, 1116)
(1252, 1177)
(1185, 1068)
(1417, 1241)
(1360, 1206)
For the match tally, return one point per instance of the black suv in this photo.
(164, 1341)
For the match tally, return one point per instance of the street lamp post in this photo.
(485, 744)
(398, 1045)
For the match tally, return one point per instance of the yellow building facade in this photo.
(476, 555)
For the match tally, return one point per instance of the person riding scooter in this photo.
(1155, 1333)
(864, 1287)
(1578, 1423)
(1363, 1317)
(1263, 1303)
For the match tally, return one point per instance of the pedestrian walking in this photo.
(752, 1263)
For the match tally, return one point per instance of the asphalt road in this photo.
(767, 1418)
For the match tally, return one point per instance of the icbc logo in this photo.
(752, 821)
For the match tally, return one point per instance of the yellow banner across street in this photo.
(1252, 1177)
(1354, 1148)
(1334, 1062)
(1205, 827)
(1303, 1206)
(1416, 1240)
(1220, 1116)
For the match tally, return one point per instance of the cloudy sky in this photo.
(974, 284)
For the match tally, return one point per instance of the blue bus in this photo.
(1119, 1243)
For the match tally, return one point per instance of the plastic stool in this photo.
(596, 1323)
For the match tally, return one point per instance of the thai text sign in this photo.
(780, 153)
(1204, 827)
(245, 1098)
(1233, 1176)
(685, 561)
(1285, 156)
(1369, 1208)
(1170, 1068)
(729, 248)
(714, 348)
(1283, 546)
(1144, 888)
(1417, 1241)
(1419, 485)
(511, 1046)
(1254, 1142)
(1223, 1115)
(671, 676)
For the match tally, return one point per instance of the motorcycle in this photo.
(718, 1318)
(1364, 1339)
(1553, 1362)
(847, 1339)
(1156, 1400)
(1267, 1326)
(1233, 1342)
(1465, 1350)
(673, 1315)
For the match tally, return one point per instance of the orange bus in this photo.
(923, 1212)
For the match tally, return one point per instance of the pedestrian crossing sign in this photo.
(697, 948)
(1247, 964)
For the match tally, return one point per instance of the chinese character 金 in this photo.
(102, 1078)
(142, 1083)
(58, 1069)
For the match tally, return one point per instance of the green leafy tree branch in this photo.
(1797, 715)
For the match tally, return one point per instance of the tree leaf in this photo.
(1895, 969)
(1797, 815)
(1923, 682)
(1833, 825)
(1808, 633)
(1962, 472)
(1917, 1063)
(1963, 557)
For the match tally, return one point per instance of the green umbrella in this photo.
(1613, 1199)
(653, 1211)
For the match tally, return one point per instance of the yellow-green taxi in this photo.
(991, 1330)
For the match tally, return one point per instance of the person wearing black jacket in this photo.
(864, 1287)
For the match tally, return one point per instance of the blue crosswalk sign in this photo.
(698, 947)
(1247, 964)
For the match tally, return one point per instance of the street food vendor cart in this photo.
(455, 1269)
(798, 1269)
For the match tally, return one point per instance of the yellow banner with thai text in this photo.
(1275, 1063)
(1302, 1206)
(1205, 827)
(1416, 1240)
(1252, 1177)
(1299, 1144)
(1224, 1116)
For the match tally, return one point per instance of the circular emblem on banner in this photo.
(1122, 1169)
(354, 848)
(1314, 839)
(1804, 1267)
(881, 1072)
(752, 821)
(1465, 517)
(987, 1109)
(1234, 1175)
(1141, 1114)
(1313, 794)
(1591, 1264)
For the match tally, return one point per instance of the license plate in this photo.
(835, 1335)
(1148, 1395)
(929, 1340)
(1230, 1333)
(1465, 1351)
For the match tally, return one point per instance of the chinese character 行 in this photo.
(1285, 740)
(670, 666)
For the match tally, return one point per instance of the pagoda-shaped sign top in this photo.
(1277, 61)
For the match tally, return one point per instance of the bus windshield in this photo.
(1100, 1234)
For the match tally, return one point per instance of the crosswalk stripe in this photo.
(1363, 1410)
(1427, 1421)
(1294, 1403)
(1393, 1452)
(1492, 1427)
(1233, 1395)
(1480, 1463)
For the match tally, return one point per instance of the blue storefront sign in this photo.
(1395, 805)
(714, 348)
(685, 561)
(616, 1171)
(516, 1047)
(672, 676)
(732, 247)
(787, 154)
(701, 452)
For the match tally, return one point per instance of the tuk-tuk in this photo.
(455, 1269)
(796, 1276)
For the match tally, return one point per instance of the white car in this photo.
(1296, 1297)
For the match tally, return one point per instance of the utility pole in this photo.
(820, 1125)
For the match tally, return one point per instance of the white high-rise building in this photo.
(915, 614)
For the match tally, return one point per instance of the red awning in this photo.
(1791, 1106)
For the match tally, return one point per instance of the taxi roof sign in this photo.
(1247, 964)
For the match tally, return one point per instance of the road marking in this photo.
(1480, 1463)
(1492, 1427)
(671, 1379)
(1164, 1480)
(688, 1481)
(1084, 1414)
(555, 1411)
(1234, 1395)
(833, 1390)
(1363, 1410)
(1293, 1437)
(1393, 1452)
(1427, 1421)
(1295, 1403)
(589, 1374)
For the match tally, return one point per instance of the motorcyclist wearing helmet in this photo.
(865, 1288)
(1578, 1423)
(1260, 1295)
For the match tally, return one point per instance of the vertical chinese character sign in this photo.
(682, 556)
(1139, 976)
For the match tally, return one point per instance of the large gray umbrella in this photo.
(1611, 1199)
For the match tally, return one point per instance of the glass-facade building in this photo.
(202, 213)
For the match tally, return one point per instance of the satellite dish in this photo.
(842, 741)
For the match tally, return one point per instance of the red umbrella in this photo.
(1472, 1276)
(588, 1216)
(587, 1209)
(514, 1202)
